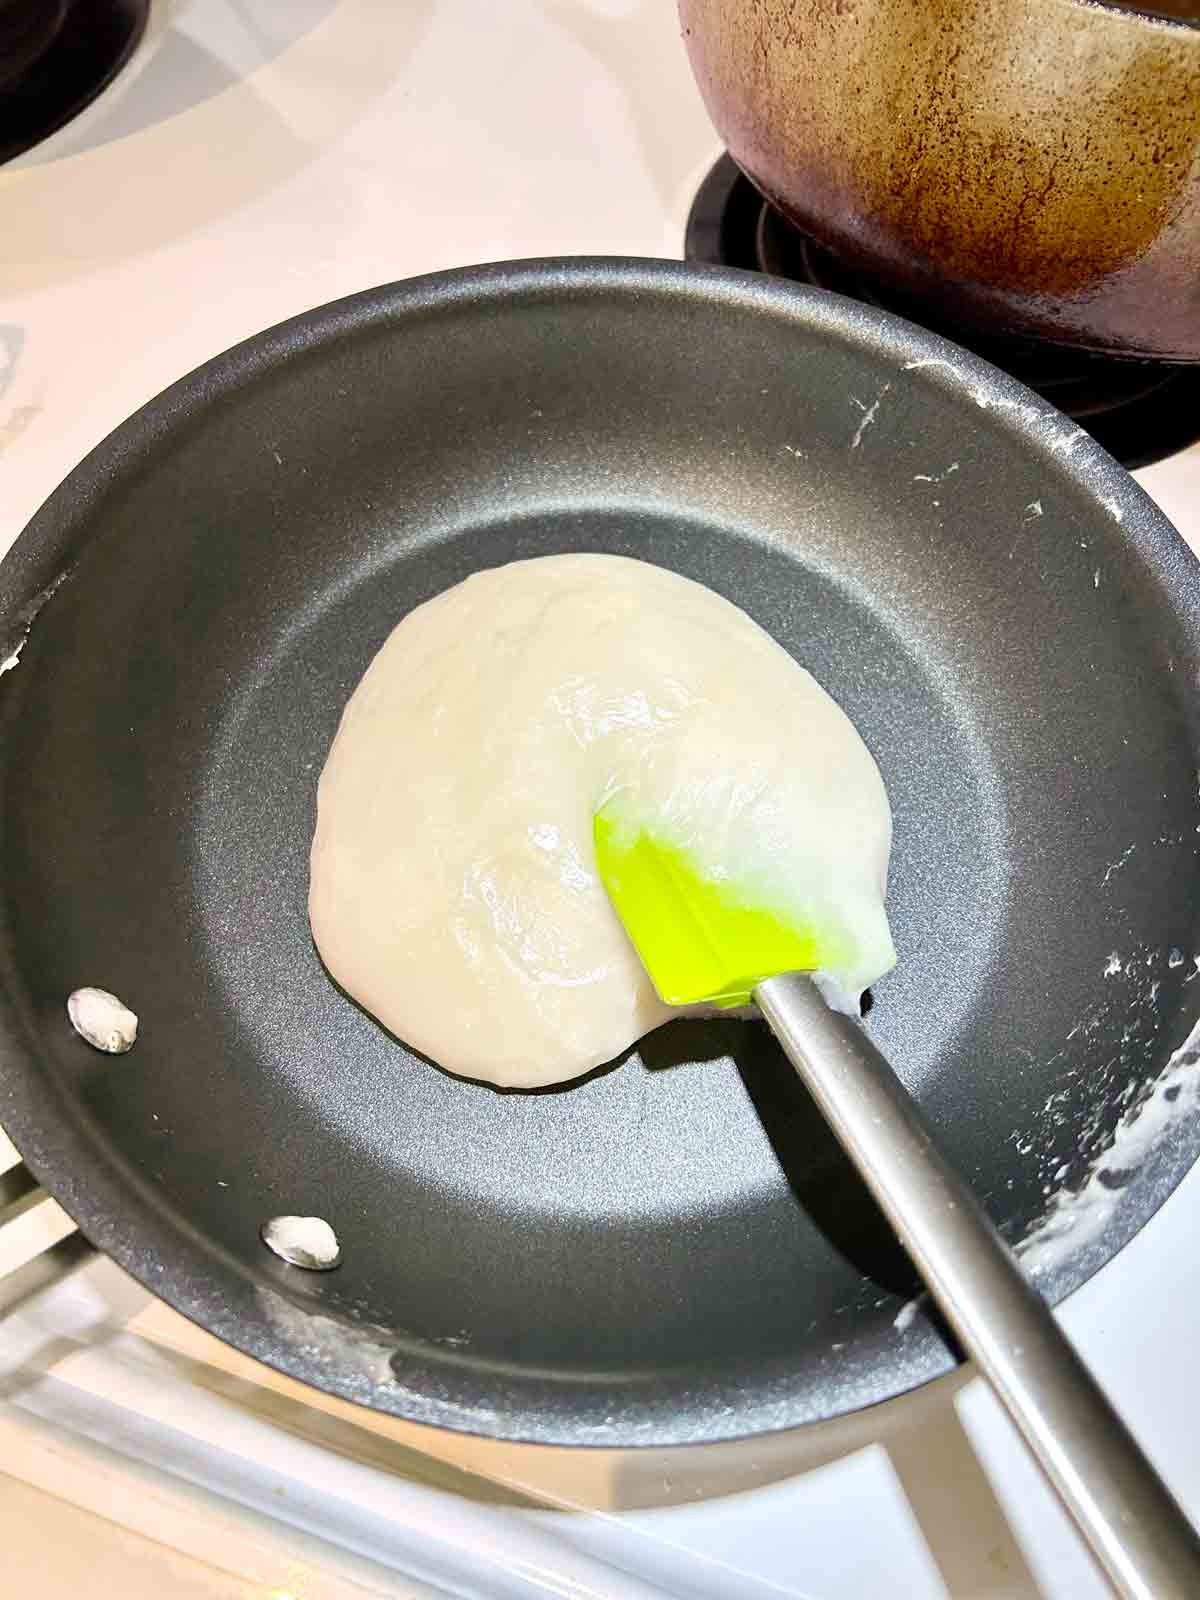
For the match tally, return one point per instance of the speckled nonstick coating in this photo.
(673, 1249)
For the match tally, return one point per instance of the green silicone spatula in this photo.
(701, 941)
(704, 942)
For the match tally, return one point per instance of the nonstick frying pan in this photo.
(671, 1250)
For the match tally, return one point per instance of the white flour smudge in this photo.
(1114, 963)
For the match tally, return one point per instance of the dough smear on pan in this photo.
(454, 891)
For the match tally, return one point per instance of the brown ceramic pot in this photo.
(1033, 164)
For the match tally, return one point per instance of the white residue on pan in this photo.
(1033, 415)
(302, 1242)
(1113, 966)
(1076, 1218)
(1115, 866)
(1068, 440)
(868, 415)
(13, 658)
(1039, 418)
(348, 1346)
(350, 1349)
(907, 1314)
(104, 1021)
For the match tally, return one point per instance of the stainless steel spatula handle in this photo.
(1138, 1532)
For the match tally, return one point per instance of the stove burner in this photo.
(59, 62)
(1140, 411)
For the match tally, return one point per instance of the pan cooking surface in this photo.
(672, 1249)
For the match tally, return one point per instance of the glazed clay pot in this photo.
(1032, 164)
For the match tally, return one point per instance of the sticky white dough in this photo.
(454, 891)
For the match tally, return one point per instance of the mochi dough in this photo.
(454, 891)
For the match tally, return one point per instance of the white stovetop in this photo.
(256, 159)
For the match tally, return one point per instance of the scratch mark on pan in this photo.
(868, 415)
(930, 361)
(935, 477)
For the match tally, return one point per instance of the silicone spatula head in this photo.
(699, 936)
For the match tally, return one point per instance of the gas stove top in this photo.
(247, 162)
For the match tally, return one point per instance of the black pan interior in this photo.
(672, 1249)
